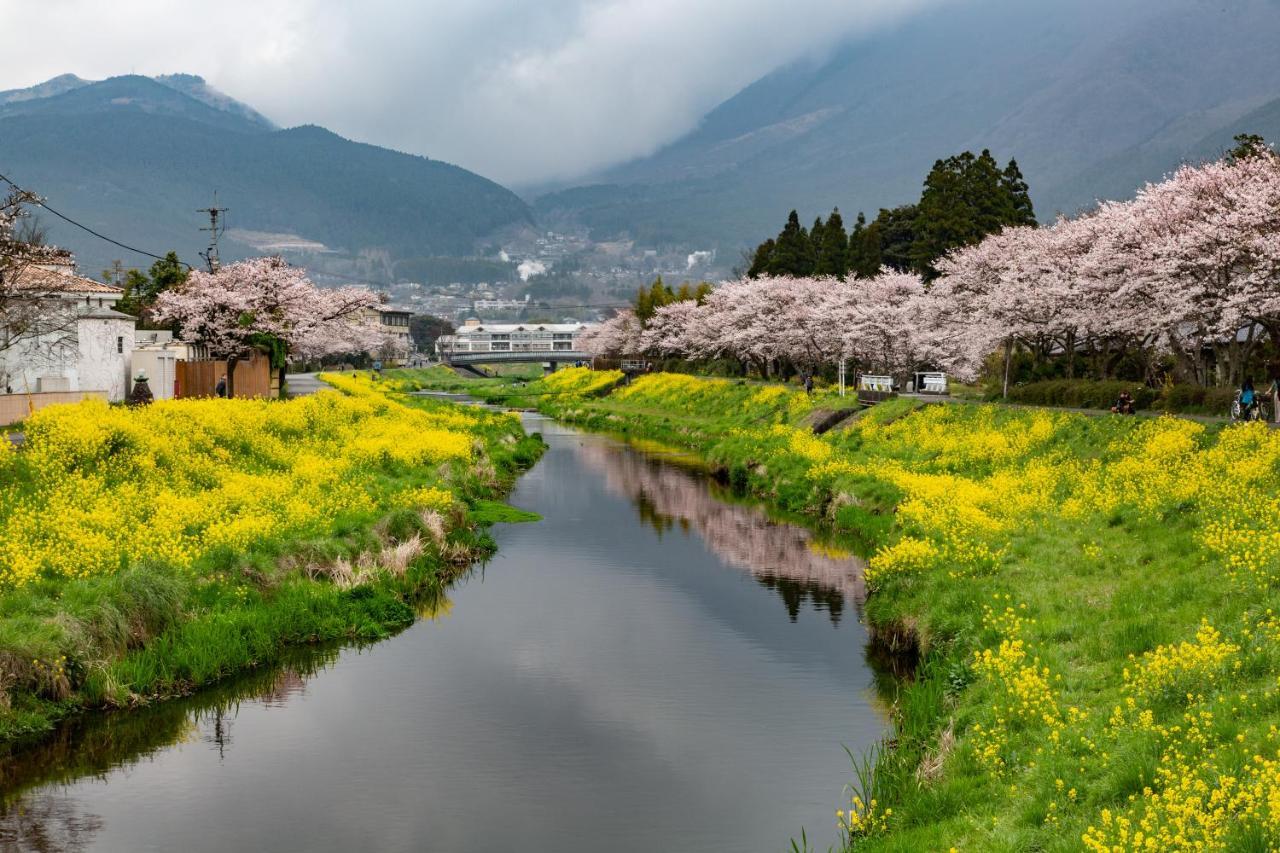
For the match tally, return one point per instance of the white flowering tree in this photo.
(267, 305)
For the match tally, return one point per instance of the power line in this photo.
(86, 228)
(215, 230)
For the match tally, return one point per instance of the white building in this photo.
(482, 305)
(476, 336)
(156, 354)
(81, 344)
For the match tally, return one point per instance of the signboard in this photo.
(867, 382)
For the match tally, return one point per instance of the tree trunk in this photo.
(231, 377)
(1008, 358)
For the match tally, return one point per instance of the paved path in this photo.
(302, 384)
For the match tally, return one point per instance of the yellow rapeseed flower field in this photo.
(1095, 598)
(97, 488)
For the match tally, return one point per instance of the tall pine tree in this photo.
(863, 257)
(832, 248)
(793, 253)
(895, 232)
(965, 198)
(1019, 195)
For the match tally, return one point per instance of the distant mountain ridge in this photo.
(135, 157)
(1092, 97)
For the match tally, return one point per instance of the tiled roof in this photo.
(503, 328)
(57, 281)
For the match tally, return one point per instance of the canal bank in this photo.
(654, 665)
(1091, 600)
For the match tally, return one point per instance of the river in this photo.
(652, 667)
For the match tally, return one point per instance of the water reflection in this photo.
(785, 558)
(50, 822)
(36, 815)
(596, 685)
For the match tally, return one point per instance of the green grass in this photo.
(1150, 584)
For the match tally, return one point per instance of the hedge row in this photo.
(1102, 394)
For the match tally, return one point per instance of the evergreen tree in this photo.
(863, 258)
(650, 299)
(1019, 194)
(1247, 145)
(965, 198)
(832, 249)
(644, 305)
(895, 233)
(793, 253)
(141, 289)
(762, 259)
(426, 329)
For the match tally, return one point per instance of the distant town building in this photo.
(484, 305)
(477, 336)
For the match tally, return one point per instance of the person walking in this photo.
(221, 388)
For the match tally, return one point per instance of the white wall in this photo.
(160, 363)
(105, 348)
(22, 365)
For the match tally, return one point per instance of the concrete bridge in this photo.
(556, 357)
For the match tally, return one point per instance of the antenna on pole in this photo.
(217, 225)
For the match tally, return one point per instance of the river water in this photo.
(649, 668)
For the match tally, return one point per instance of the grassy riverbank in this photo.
(1093, 600)
(517, 391)
(147, 552)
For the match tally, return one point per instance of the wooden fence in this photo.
(252, 377)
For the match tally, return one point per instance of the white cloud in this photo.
(519, 90)
(528, 269)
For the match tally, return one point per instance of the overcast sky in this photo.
(522, 91)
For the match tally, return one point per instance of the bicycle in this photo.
(1252, 412)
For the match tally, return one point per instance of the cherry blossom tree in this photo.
(264, 303)
(617, 336)
(1189, 267)
(887, 325)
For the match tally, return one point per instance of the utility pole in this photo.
(217, 225)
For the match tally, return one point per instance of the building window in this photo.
(119, 344)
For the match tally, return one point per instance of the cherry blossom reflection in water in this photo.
(783, 557)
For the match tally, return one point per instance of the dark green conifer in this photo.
(831, 251)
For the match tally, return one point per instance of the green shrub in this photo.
(1102, 394)
(1081, 393)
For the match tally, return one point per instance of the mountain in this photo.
(195, 87)
(1092, 97)
(47, 89)
(131, 95)
(135, 158)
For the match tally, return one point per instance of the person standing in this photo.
(221, 388)
(1274, 391)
